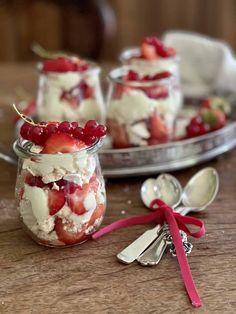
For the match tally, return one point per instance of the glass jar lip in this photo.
(22, 149)
(94, 69)
(130, 52)
(116, 74)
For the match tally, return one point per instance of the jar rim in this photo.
(95, 68)
(130, 52)
(116, 74)
(22, 149)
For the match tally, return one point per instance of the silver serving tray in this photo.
(167, 157)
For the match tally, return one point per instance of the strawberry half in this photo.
(119, 135)
(148, 51)
(99, 212)
(62, 143)
(158, 128)
(56, 200)
(63, 230)
(75, 200)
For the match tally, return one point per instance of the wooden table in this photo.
(88, 278)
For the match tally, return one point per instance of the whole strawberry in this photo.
(215, 118)
(214, 102)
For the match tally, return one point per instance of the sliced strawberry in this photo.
(56, 200)
(131, 76)
(75, 200)
(161, 75)
(121, 89)
(34, 180)
(156, 92)
(98, 213)
(158, 127)
(148, 51)
(94, 183)
(86, 90)
(62, 143)
(118, 133)
(64, 232)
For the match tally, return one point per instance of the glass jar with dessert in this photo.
(69, 89)
(141, 110)
(151, 57)
(60, 190)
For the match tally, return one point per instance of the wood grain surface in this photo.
(88, 278)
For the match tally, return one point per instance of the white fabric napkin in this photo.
(206, 65)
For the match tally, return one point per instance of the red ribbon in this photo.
(161, 213)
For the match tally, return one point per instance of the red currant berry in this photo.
(90, 139)
(24, 131)
(101, 130)
(204, 129)
(79, 133)
(197, 120)
(74, 125)
(36, 135)
(65, 127)
(90, 127)
(51, 129)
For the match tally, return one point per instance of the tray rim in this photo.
(170, 165)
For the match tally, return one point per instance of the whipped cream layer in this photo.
(52, 107)
(151, 67)
(135, 106)
(77, 167)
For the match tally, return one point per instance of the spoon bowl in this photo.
(165, 187)
(201, 189)
(149, 191)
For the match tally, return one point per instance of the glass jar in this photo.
(60, 197)
(141, 113)
(70, 96)
(131, 57)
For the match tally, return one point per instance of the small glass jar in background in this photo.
(70, 95)
(141, 112)
(131, 57)
(60, 197)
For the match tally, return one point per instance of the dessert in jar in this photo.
(60, 190)
(141, 110)
(151, 57)
(69, 89)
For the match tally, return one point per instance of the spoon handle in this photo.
(131, 252)
(154, 253)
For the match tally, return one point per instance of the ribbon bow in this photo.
(161, 212)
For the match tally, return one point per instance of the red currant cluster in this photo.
(39, 134)
(197, 127)
(133, 76)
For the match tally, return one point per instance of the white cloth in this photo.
(206, 64)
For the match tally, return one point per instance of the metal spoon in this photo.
(199, 192)
(165, 187)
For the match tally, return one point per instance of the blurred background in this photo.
(99, 29)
